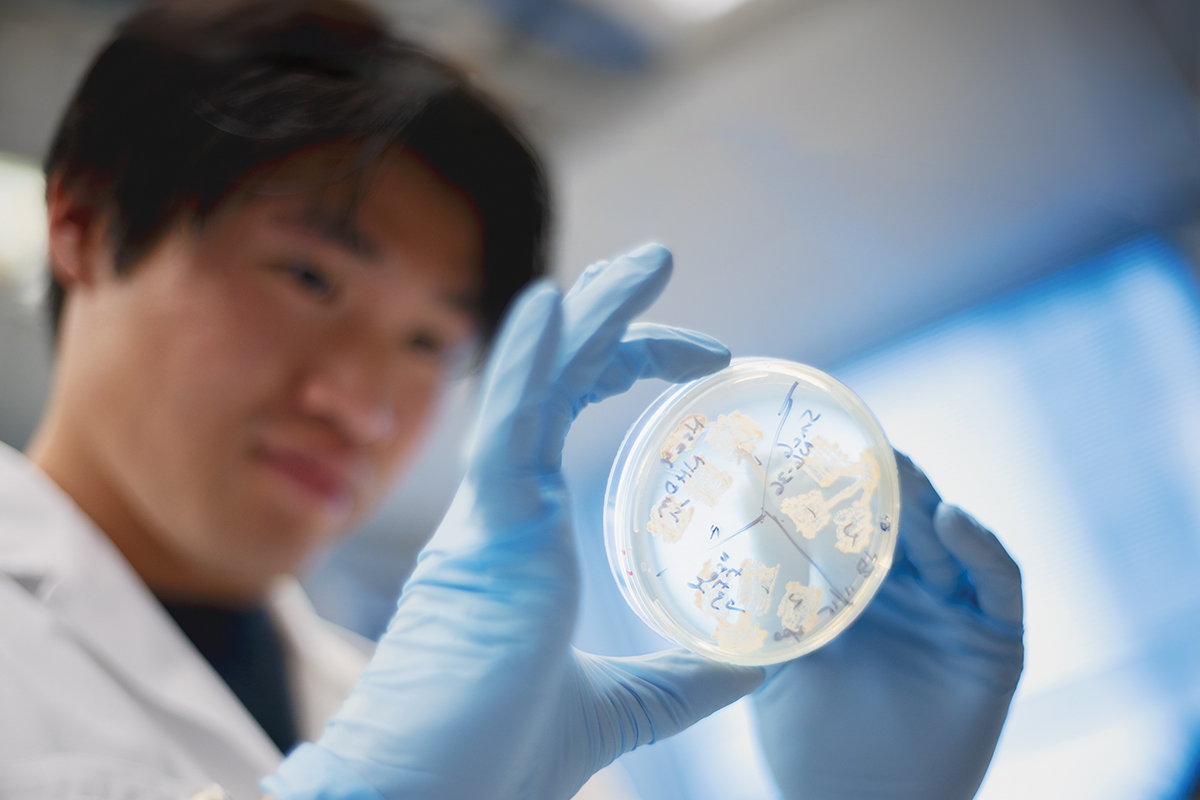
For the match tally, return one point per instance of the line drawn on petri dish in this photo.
(784, 411)
(796, 452)
(809, 512)
(826, 463)
(688, 474)
(812, 511)
(762, 470)
(864, 568)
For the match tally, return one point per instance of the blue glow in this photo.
(1065, 417)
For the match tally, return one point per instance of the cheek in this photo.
(231, 359)
(217, 362)
(414, 410)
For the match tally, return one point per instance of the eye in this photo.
(429, 343)
(310, 278)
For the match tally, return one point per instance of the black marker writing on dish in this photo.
(783, 413)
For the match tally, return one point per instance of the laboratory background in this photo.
(984, 217)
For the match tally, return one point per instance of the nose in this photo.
(350, 386)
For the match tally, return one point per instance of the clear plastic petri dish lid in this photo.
(751, 515)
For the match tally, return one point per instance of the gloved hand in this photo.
(474, 690)
(908, 702)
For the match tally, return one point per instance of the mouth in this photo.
(326, 479)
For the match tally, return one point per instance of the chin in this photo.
(275, 545)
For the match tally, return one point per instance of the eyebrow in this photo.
(336, 229)
(340, 230)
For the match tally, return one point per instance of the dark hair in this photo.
(190, 96)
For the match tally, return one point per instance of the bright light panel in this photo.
(698, 10)
(22, 226)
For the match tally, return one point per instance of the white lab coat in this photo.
(103, 697)
(101, 694)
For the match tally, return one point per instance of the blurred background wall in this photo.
(983, 216)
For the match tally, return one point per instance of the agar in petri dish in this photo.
(752, 514)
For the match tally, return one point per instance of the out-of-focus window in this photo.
(22, 229)
(1066, 417)
(24, 339)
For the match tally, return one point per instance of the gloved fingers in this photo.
(992, 571)
(596, 314)
(938, 570)
(586, 277)
(658, 351)
(518, 375)
(649, 698)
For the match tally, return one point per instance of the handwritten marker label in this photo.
(798, 608)
(736, 598)
(670, 519)
(853, 526)
(826, 463)
(756, 499)
(683, 438)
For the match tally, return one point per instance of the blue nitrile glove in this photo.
(474, 690)
(908, 702)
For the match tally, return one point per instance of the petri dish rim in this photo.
(637, 447)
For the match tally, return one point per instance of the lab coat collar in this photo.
(54, 550)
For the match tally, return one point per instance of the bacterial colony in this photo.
(751, 515)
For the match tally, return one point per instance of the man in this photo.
(274, 228)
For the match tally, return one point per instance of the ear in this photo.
(79, 246)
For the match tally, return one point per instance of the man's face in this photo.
(253, 385)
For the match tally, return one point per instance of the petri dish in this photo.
(752, 514)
